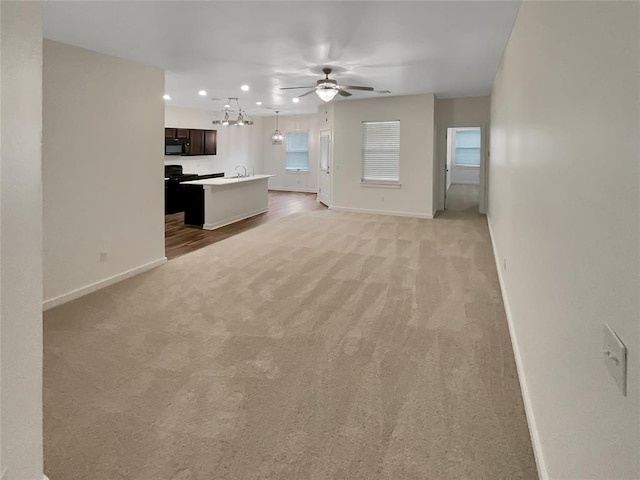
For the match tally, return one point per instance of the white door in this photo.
(324, 182)
(449, 136)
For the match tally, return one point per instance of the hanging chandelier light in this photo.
(277, 137)
(243, 118)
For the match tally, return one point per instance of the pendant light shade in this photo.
(277, 137)
(326, 94)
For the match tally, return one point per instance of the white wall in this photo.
(275, 155)
(459, 112)
(236, 145)
(21, 240)
(564, 211)
(103, 143)
(414, 198)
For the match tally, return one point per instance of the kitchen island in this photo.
(215, 202)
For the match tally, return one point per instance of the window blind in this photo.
(468, 147)
(381, 151)
(297, 151)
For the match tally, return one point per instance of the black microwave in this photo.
(176, 146)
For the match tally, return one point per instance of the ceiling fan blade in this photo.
(306, 93)
(351, 87)
(344, 93)
(293, 88)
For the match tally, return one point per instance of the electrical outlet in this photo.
(615, 357)
(103, 258)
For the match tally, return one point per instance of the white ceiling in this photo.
(450, 48)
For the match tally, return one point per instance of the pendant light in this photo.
(243, 118)
(277, 137)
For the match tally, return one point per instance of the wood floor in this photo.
(180, 238)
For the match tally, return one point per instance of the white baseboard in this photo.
(294, 189)
(4, 476)
(526, 398)
(382, 212)
(82, 291)
(236, 218)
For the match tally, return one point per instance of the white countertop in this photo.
(226, 181)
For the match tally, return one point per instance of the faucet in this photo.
(245, 170)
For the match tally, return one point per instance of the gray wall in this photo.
(564, 212)
(103, 154)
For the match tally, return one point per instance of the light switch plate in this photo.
(615, 357)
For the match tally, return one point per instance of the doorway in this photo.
(464, 166)
(324, 180)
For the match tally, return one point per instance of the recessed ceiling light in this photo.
(258, 103)
(296, 99)
(244, 88)
(202, 93)
(166, 97)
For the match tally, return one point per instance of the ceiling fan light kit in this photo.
(326, 94)
(243, 118)
(327, 88)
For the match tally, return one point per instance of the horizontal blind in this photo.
(468, 147)
(381, 150)
(297, 151)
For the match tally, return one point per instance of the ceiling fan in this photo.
(328, 88)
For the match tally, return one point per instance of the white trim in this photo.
(294, 189)
(235, 218)
(82, 291)
(382, 212)
(526, 398)
(380, 184)
(464, 183)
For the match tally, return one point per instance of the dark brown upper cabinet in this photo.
(199, 142)
(210, 142)
(196, 142)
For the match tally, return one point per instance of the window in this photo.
(297, 151)
(381, 151)
(467, 147)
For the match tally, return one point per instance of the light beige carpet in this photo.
(322, 346)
